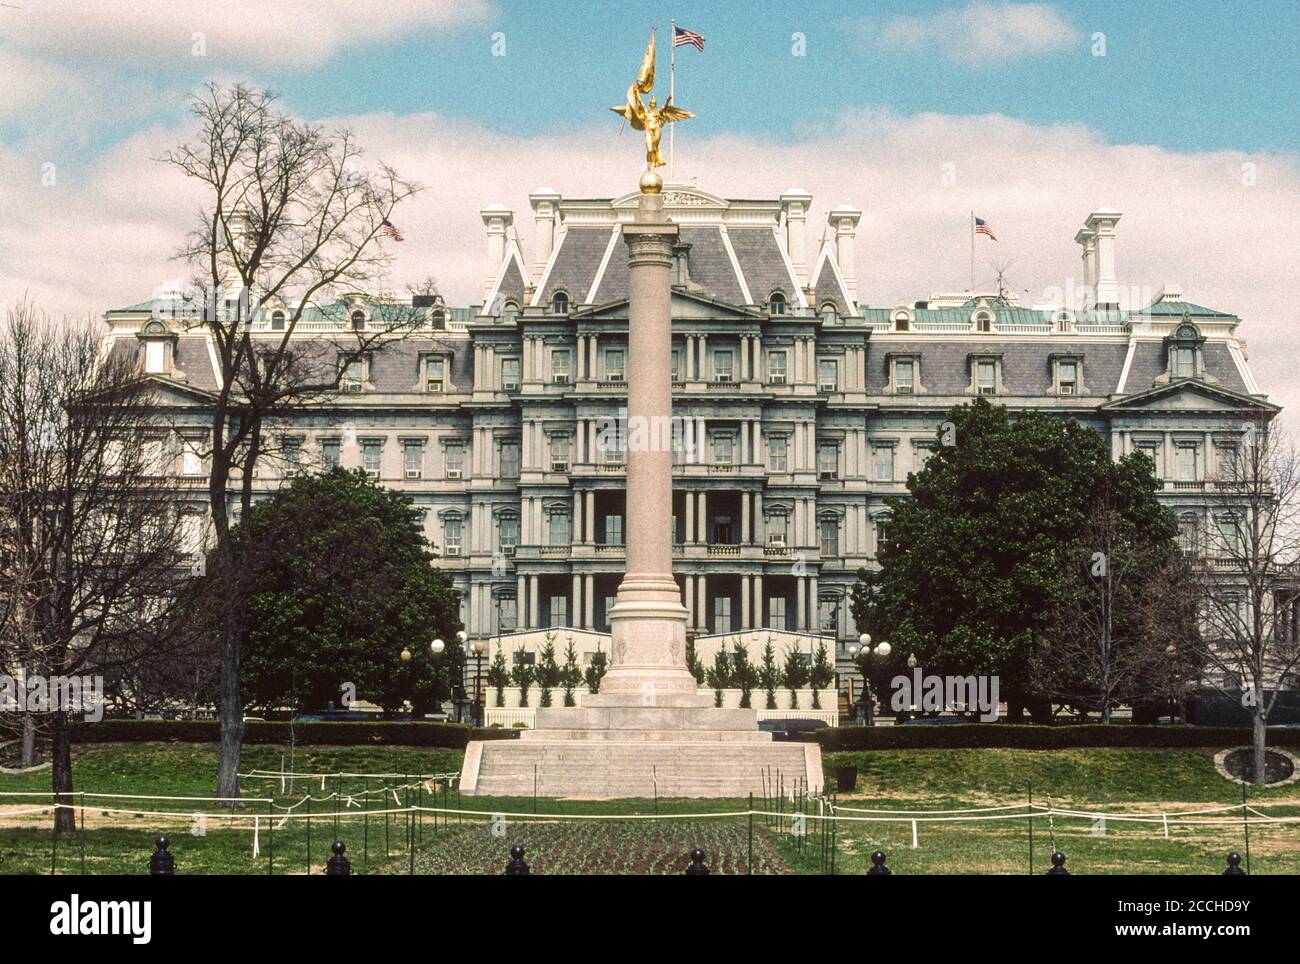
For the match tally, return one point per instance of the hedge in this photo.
(1023, 737)
(442, 735)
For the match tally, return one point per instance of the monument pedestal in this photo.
(649, 731)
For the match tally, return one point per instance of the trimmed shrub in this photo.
(1024, 737)
(452, 736)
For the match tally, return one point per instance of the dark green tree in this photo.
(971, 567)
(547, 672)
(522, 675)
(744, 673)
(595, 670)
(794, 674)
(821, 674)
(769, 675)
(345, 583)
(570, 674)
(718, 675)
(498, 677)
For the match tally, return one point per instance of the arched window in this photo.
(510, 311)
(902, 322)
(278, 319)
(560, 302)
(828, 311)
(776, 303)
(358, 320)
(984, 322)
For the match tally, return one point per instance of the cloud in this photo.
(284, 34)
(983, 32)
(1220, 224)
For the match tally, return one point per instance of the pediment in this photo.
(686, 306)
(1190, 395)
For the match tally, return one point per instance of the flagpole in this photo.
(972, 252)
(672, 89)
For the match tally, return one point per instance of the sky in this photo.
(1183, 115)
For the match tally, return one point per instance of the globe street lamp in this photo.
(866, 705)
(436, 648)
(478, 675)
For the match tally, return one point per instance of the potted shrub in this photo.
(744, 675)
(521, 674)
(795, 675)
(821, 674)
(498, 677)
(769, 677)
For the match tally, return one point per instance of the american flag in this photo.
(681, 36)
(981, 227)
(391, 232)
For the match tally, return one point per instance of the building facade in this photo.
(798, 407)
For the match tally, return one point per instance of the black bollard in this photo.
(698, 866)
(1058, 866)
(161, 863)
(517, 866)
(878, 868)
(1234, 866)
(338, 865)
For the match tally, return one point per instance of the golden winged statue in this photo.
(652, 118)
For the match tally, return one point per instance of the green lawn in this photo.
(1130, 781)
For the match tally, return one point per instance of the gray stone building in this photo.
(799, 407)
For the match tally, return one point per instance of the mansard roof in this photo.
(1026, 365)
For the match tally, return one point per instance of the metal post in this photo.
(270, 835)
(750, 863)
(1031, 829)
(309, 832)
(1245, 820)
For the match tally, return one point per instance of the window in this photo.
(358, 320)
(507, 614)
(901, 322)
(508, 532)
(904, 376)
(278, 319)
(560, 302)
(613, 530)
(559, 610)
(677, 358)
(776, 367)
(354, 374)
(330, 454)
(1231, 539)
(292, 456)
(1184, 362)
(881, 525)
(722, 530)
(151, 458)
(778, 528)
(509, 459)
(560, 365)
(828, 375)
(1152, 451)
(828, 615)
(510, 374)
(884, 459)
(986, 376)
(435, 375)
(1067, 377)
(455, 460)
(155, 357)
(724, 447)
(192, 528)
(777, 451)
(559, 529)
(614, 370)
(984, 322)
(413, 459)
(452, 529)
(828, 460)
(722, 614)
(1227, 462)
(1189, 533)
(371, 456)
(191, 461)
(722, 371)
(776, 303)
(830, 537)
(1186, 463)
(559, 453)
(776, 613)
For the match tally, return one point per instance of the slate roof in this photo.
(760, 260)
(1026, 365)
(827, 288)
(1150, 361)
(575, 263)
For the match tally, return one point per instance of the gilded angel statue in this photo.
(650, 119)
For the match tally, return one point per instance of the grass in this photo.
(1117, 780)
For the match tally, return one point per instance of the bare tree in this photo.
(91, 547)
(290, 219)
(1248, 582)
(1109, 634)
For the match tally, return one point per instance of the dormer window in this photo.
(829, 311)
(1183, 349)
(776, 304)
(278, 320)
(902, 321)
(358, 320)
(1183, 362)
(157, 348)
(435, 375)
(510, 311)
(983, 322)
(986, 375)
(560, 302)
(1064, 322)
(903, 374)
(1067, 375)
(353, 374)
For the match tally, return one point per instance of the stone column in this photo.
(534, 604)
(648, 665)
(743, 622)
(521, 599)
(758, 601)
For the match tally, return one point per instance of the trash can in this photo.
(846, 777)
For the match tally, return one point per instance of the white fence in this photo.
(510, 717)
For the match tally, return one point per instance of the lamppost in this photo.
(436, 649)
(1176, 712)
(866, 706)
(478, 675)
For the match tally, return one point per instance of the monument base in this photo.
(608, 749)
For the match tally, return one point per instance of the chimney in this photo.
(844, 220)
(794, 206)
(498, 219)
(1088, 242)
(546, 212)
(1102, 225)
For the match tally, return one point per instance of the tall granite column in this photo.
(648, 622)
